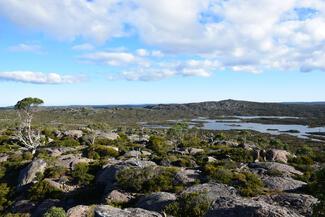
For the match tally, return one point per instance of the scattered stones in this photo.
(28, 174)
(156, 201)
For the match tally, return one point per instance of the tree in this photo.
(29, 137)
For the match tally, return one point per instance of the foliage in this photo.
(101, 151)
(148, 179)
(55, 212)
(218, 173)
(189, 204)
(43, 190)
(28, 103)
(158, 144)
(55, 172)
(248, 184)
(81, 175)
(4, 192)
(316, 188)
(65, 142)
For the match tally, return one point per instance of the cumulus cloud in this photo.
(39, 77)
(23, 47)
(83, 47)
(110, 58)
(240, 35)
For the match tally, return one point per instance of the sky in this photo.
(98, 52)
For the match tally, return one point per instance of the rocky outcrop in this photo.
(187, 176)
(300, 203)
(269, 167)
(23, 206)
(156, 201)
(213, 190)
(282, 183)
(70, 160)
(116, 197)
(277, 155)
(79, 211)
(109, 211)
(61, 186)
(28, 174)
(244, 207)
(44, 206)
(76, 134)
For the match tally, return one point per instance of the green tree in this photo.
(29, 138)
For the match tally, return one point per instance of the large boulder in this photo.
(269, 167)
(213, 190)
(76, 134)
(70, 160)
(116, 197)
(156, 201)
(79, 211)
(277, 155)
(244, 207)
(282, 183)
(187, 176)
(109, 211)
(28, 174)
(23, 206)
(61, 186)
(300, 203)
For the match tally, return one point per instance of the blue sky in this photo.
(133, 52)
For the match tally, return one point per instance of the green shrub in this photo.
(65, 142)
(218, 173)
(81, 175)
(55, 172)
(248, 184)
(55, 212)
(189, 204)
(4, 192)
(43, 190)
(149, 179)
(101, 151)
(316, 188)
(158, 145)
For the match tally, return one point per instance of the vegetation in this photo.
(55, 212)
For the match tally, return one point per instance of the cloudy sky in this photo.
(145, 51)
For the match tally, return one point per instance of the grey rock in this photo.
(118, 197)
(213, 190)
(28, 174)
(74, 133)
(244, 207)
(109, 211)
(23, 206)
(70, 160)
(44, 206)
(282, 183)
(3, 157)
(285, 169)
(156, 201)
(187, 176)
(300, 203)
(78, 211)
(277, 155)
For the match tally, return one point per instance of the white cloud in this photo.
(23, 47)
(39, 77)
(83, 47)
(110, 58)
(239, 35)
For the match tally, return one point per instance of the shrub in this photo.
(218, 173)
(189, 204)
(158, 144)
(55, 172)
(81, 175)
(43, 190)
(316, 188)
(248, 184)
(101, 151)
(55, 212)
(149, 179)
(4, 191)
(65, 142)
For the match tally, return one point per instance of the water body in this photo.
(235, 123)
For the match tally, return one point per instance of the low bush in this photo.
(65, 142)
(248, 184)
(81, 175)
(101, 151)
(4, 192)
(149, 179)
(55, 212)
(55, 172)
(43, 190)
(189, 204)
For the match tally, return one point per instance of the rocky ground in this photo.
(79, 173)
